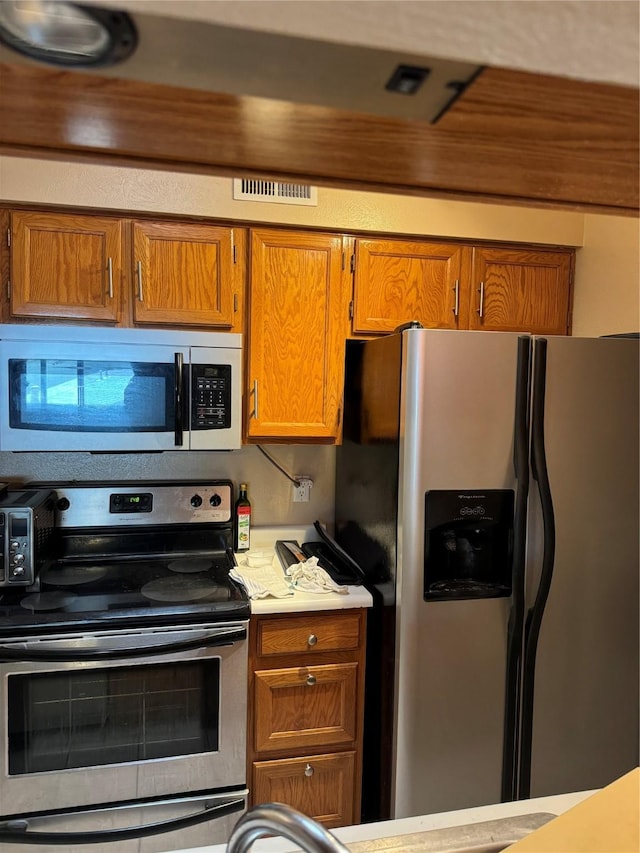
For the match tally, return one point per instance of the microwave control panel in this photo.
(210, 396)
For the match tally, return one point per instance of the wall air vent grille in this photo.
(276, 192)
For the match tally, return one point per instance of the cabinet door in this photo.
(321, 786)
(396, 281)
(184, 274)
(305, 707)
(66, 266)
(296, 354)
(524, 290)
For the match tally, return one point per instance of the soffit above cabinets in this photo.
(502, 135)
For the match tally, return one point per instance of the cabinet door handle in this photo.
(312, 640)
(255, 399)
(110, 276)
(139, 267)
(311, 680)
(308, 770)
(456, 303)
(481, 307)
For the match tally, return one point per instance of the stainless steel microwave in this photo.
(72, 388)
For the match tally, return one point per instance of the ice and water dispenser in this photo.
(468, 544)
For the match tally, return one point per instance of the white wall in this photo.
(151, 190)
(607, 291)
(587, 39)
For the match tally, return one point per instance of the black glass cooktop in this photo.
(163, 590)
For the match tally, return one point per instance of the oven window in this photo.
(91, 396)
(109, 716)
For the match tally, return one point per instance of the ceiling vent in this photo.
(275, 192)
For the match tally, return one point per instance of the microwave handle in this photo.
(178, 399)
(17, 831)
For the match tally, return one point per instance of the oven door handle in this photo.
(30, 650)
(17, 831)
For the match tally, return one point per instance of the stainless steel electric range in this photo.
(123, 673)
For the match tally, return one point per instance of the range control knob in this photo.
(196, 501)
(215, 500)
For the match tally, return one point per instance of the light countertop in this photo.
(405, 826)
(263, 540)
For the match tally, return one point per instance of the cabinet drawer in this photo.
(309, 634)
(305, 707)
(321, 786)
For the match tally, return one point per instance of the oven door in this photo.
(120, 716)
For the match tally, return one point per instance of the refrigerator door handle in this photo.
(536, 612)
(516, 616)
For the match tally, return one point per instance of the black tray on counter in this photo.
(336, 562)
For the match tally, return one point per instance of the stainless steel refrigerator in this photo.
(488, 486)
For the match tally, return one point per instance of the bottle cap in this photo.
(243, 485)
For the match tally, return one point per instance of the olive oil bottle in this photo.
(242, 520)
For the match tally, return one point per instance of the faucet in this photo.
(279, 819)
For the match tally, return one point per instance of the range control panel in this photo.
(198, 501)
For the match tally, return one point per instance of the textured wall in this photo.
(586, 39)
(77, 184)
(607, 292)
(269, 490)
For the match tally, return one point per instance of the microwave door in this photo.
(100, 397)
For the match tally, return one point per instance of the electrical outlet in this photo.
(301, 493)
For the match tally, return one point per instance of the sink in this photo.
(489, 836)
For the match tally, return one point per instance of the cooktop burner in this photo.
(189, 565)
(147, 554)
(148, 590)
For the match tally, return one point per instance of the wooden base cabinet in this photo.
(320, 786)
(306, 689)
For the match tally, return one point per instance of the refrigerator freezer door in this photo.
(585, 711)
(456, 432)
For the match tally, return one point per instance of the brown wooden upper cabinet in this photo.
(67, 266)
(126, 272)
(396, 281)
(183, 274)
(521, 290)
(459, 286)
(296, 335)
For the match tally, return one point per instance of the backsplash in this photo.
(270, 492)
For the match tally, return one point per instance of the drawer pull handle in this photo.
(312, 640)
(308, 770)
(311, 680)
